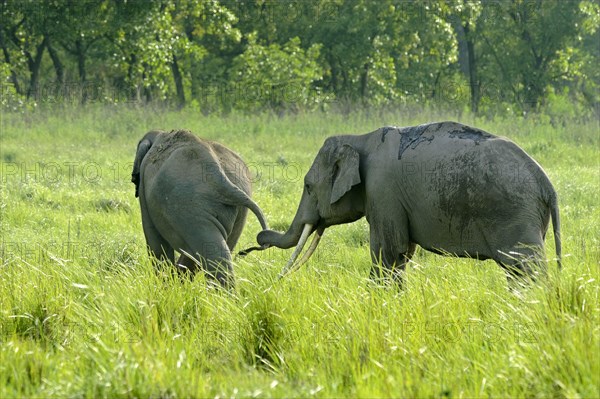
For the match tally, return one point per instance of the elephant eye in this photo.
(307, 188)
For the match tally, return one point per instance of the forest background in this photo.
(487, 57)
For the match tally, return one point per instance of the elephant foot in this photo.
(385, 276)
(187, 266)
(218, 275)
(524, 271)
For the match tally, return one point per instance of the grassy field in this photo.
(83, 314)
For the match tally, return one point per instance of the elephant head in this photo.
(143, 147)
(333, 194)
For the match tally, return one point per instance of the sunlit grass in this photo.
(83, 312)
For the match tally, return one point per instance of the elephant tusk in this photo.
(313, 245)
(305, 234)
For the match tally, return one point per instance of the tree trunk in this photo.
(364, 81)
(473, 79)
(334, 75)
(146, 89)
(194, 92)
(13, 76)
(178, 82)
(80, 50)
(194, 81)
(463, 55)
(34, 64)
(134, 96)
(58, 66)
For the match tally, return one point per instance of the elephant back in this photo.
(234, 167)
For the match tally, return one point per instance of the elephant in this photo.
(449, 188)
(194, 196)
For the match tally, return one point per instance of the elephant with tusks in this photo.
(447, 187)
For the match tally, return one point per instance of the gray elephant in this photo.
(449, 188)
(194, 195)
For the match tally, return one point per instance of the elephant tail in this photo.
(233, 195)
(553, 203)
(253, 206)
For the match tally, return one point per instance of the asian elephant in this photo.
(194, 195)
(449, 188)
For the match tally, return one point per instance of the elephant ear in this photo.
(142, 148)
(348, 175)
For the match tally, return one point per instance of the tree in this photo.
(464, 15)
(84, 25)
(514, 54)
(24, 26)
(276, 77)
(528, 44)
(206, 28)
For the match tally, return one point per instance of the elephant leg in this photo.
(389, 260)
(238, 226)
(211, 251)
(187, 265)
(217, 261)
(390, 244)
(158, 246)
(522, 264)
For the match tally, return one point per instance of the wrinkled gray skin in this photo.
(449, 188)
(194, 195)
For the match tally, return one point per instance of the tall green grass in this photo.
(83, 313)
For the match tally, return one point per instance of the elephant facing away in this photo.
(194, 195)
(449, 188)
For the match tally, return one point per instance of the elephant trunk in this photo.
(304, 224)
(270, 238)
(290, 238)
(287, 240)
(280, 240)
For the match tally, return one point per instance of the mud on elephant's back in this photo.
(447, 187)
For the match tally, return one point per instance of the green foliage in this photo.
(146, 38)
(84, 314)
(540, 50)
(276, 77)
(502, 57)
(9, 97)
